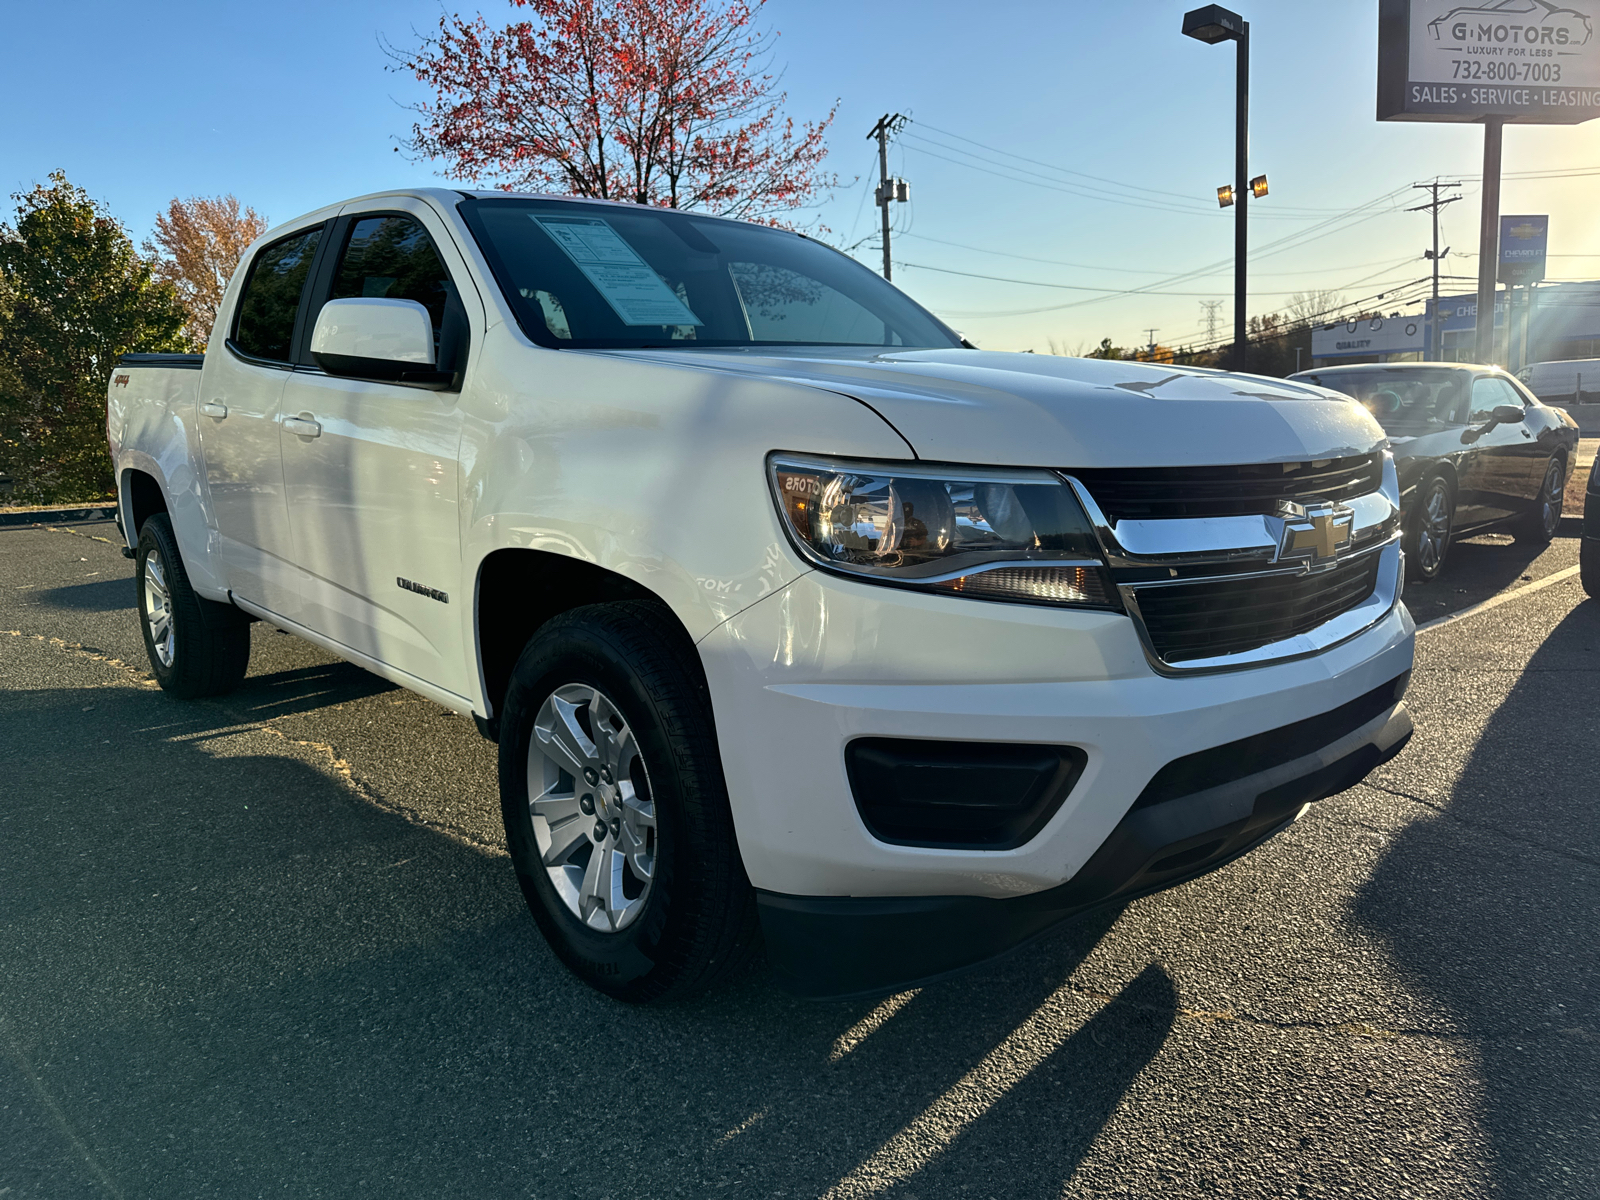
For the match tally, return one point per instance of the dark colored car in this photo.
(1473, 447)
(1589, 557)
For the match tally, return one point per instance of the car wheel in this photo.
(197, 647)
(1539, 524)
(1589, 566)
(1428, 542)
(616, 813)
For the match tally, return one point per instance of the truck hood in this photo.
(992, 408)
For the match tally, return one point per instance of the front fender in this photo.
(653, 471)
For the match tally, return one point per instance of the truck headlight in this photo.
(999, 535)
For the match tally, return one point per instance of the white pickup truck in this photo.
(796, 618)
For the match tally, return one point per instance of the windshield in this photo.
(1404, 399)
(612, 277)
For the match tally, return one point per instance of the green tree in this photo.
(74, 294)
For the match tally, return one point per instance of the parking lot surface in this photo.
(270, 945)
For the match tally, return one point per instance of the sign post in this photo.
(1493, 63)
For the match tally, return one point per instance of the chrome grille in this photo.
(1228, 491)
(1244, 586)
(1219, 615)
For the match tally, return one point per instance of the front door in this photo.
(241, 389)
(372, 478)
(1495, 479)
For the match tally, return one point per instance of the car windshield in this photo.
(625, 277)
(1404, 399)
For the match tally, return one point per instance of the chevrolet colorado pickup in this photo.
(797, 620)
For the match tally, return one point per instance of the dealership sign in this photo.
(1522, 246)
(1372, 335)
(1523, 60)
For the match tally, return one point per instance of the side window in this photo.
(272, 296)
(1487, 392)
(394, 258)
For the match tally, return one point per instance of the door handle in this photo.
(214, 408)
(302, 426)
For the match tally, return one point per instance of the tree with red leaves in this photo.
(661, 102)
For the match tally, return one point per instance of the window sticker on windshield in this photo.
(629, 284)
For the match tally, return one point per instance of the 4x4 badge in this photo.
(1315, 531)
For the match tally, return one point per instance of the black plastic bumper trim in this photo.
(835, 947)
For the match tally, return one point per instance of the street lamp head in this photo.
(1224, 195)
(1213, 24)
(1258, 186)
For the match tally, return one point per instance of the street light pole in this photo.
(1213, 24)
(1241, 189)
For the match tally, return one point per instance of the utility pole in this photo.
(889, 189)
(1211, 307)
(1436, 332)
(1152, 348)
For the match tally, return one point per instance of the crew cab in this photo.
(797, 619)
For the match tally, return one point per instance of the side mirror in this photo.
(1509, 414)
(372, 338)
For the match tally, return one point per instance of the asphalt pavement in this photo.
(270, 945)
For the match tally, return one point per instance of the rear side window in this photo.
(272, 296)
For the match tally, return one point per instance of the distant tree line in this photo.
(1280, 342)
(75, 295)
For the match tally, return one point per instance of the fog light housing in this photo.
(959, 795)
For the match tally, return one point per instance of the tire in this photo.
(1427, 540)
(1589, 566)
(609, 763)
(196, 647)
(1539, 524)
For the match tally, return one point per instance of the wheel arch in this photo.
(140, 497)
(516, 591)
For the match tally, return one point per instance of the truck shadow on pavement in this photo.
(1485, 565)
(102, 595)
(227, 974)
(1490, 907)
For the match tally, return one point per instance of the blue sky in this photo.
(289, 107)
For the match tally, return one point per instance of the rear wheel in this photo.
(196, 646)
(1539, 524)
(616, 813)
(1433, 522)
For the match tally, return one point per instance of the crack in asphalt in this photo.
(1586, 860)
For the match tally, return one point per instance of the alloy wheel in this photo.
(1433, 531)
(158, 609)
(593, 816)
(1551, 498)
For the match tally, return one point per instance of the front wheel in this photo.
(197, 647)
(616, 814)
(1428, 541)
(1540, 523)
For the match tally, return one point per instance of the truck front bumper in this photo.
(840, 946)
(1179, 775)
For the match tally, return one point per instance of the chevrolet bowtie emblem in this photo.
(1316, 531)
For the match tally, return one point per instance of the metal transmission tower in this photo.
(1436, 331)
(1211, 307)
(889, 189)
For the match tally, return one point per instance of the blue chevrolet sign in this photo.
(1522, 248)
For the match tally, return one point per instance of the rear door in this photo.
(240, 392)
(371, 468)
